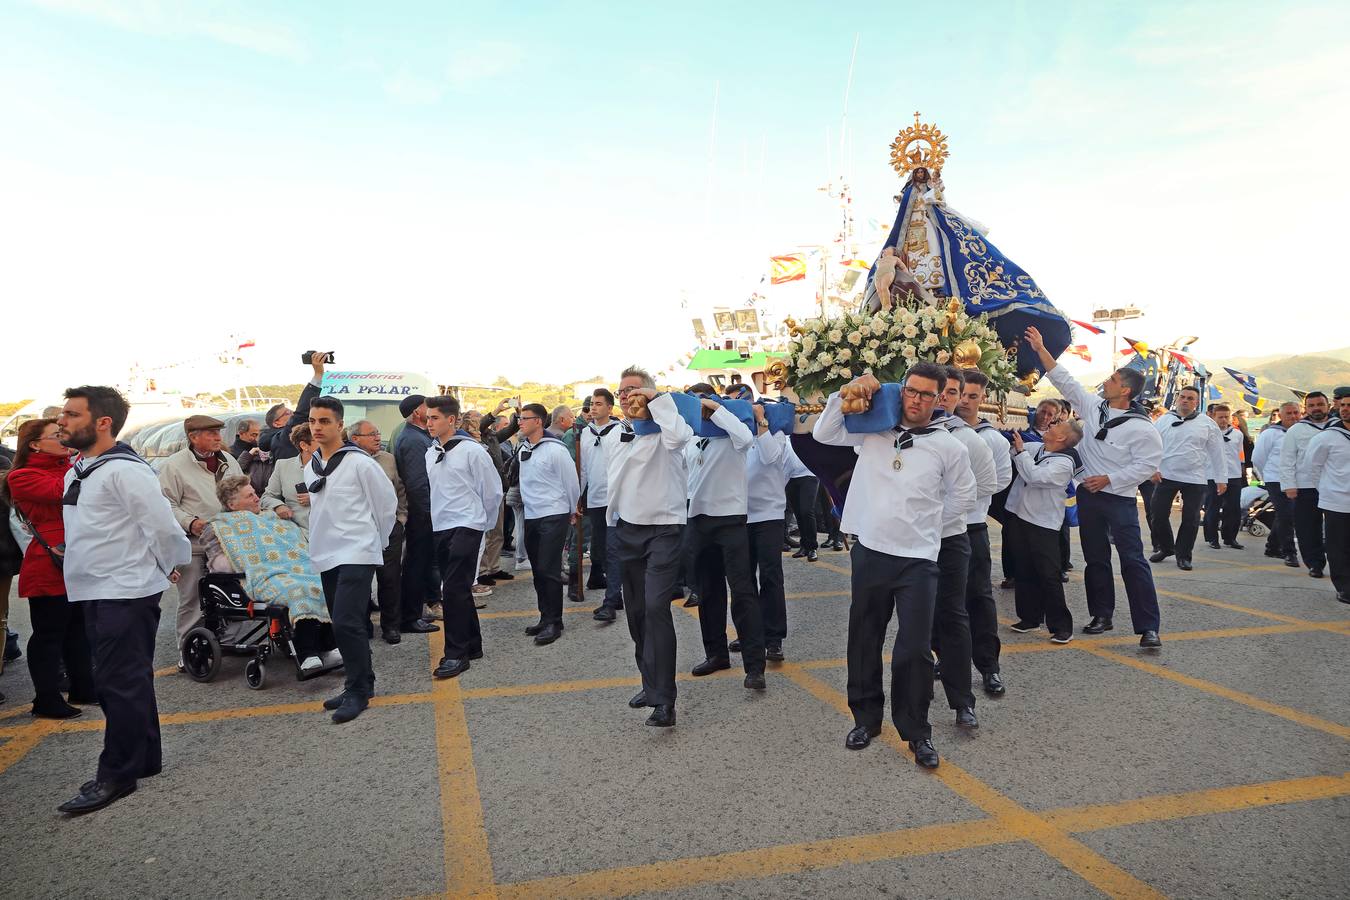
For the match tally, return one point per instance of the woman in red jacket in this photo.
(36, 484)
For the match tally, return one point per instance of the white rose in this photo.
(844, 373)
(943, 356)
(878, 327)
(874, 343)
(930, 340)
(911, 331)
(808, 344)
(816, 325)
(869, 357)
(844, 355)
(907, 352)
(826, 359)
(855, 338)
(835, 336)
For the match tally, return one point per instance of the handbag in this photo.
(57, 559)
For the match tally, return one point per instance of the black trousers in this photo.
(389, 583)
(1223, 514)
(1338, 548)
(544, 540)
(1281, 538)
(650, 557)
(998, 512)
(766, 567)
(801, 496)
(346, 591)
(59, 634)
(980, 607)
(1064, 549)
(1146, 491)
(312, 637)
(1103, 518)
(604, 557)
(1160, 516)
(825, 514)
(1308, 526)
(457, 560)
(1039, 592)
(882, 583)
(122, 634)
(417, 585)
(951, 621)
(720, 547)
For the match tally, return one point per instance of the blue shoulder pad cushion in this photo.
(687, 405)
(741, 409)
(779, 415)
(882, 416)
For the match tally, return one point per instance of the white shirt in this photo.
(1329, 465)
(597, 443)
(717, 468)
(793, 467)
(1232, 453)
(1128, 455)
(548, 479)
(1266, 453)
(981, 466)
(765, 479)
(1037, 494)
(900, 512)
(1192, 449)
(1294, 471)
(351, 516)
(647, 480)
(465, 488)
(122, 539)
(1001, 451)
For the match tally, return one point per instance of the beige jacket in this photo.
(191, 488)
(390, 466)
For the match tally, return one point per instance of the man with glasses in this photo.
(123, 548)
(1120, 449)
(907, 482)
(353, 509)
(366, 435)
(188, 479)
(1192, 457)
(466, 497)
(549, 489)
(1300, 487)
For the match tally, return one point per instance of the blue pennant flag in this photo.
(1248, 382)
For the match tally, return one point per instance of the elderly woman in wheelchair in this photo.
(260, 592)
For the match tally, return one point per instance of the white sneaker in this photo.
(523, 566)
(311, 663)
(332, 657)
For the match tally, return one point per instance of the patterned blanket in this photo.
(274, 558)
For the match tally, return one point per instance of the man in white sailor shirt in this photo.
(907, 482)
(550, 490)
(1192, 457)
(598, 440)
(1223, 512)
(1266, 465)
(1298, 484)
(1329, 464)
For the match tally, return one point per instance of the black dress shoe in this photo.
(1159, 556)
(1064, 577)
(575, 596)
(861, 736)
(1098, 625)
(1343, 596)
(1233, 545)
(800, 553)
(449, 668)
(1274, 554)
(1315, 572)
(1291, 562)
(1150, 640)
(1213, 545)
(503, 575)
(604, 613)
(773, 650)
(12, 651)
(101, 794)
(487, 580)
(421, 626)
(1025, 627)
(1184, 565)
(352, 706)
(811, 556)
(639, 700)
(755, 681)
(596, 584)
(965, 718)
(1007, 584)
(735, 646)
(391, 635)
(692, 601)
(709, 666)
(63, 711)
(837, 544)
(790, 544)
(334, 702)
(662, 716)
(993, 684)
(924, 753)
(534, 629)
(548, 634)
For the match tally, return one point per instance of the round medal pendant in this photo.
(897, 465)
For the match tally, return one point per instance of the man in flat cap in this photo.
(188, 479)
(410, 456)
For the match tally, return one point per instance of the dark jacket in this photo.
(11, 554)
(259, 471)
(410, 456)
(277, 441)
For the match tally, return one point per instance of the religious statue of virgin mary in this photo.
(935, 253)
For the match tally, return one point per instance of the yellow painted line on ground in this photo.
(1233, 607)
(762, 863)
(468, 865)
(19, 710)
(167, 670)
(842, 570)
(17, 747)
(1093, 868)
(1198, 803)
(1284, 712)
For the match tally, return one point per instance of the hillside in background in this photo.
(1320, 371)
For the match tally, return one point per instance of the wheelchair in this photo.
(1259, 518)
(236, 624)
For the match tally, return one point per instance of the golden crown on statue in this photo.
(919, 146)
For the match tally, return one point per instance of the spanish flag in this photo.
(1138, 346)
(1080, 351)
(783, 269)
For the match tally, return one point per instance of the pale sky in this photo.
(475, 189)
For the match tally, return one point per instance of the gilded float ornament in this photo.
(919, 146)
